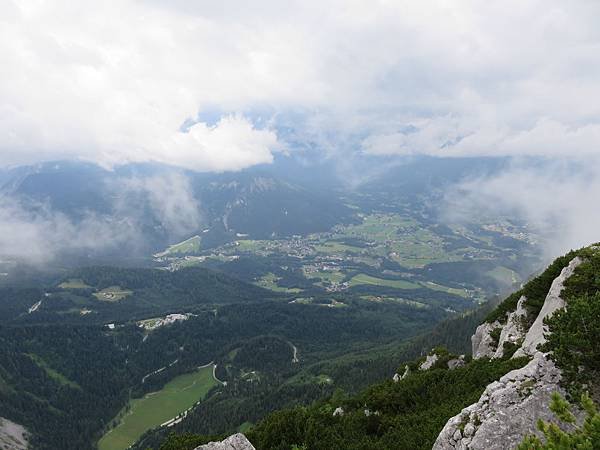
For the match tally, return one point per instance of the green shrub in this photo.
(584, 437)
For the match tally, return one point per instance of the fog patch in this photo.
(168, 198)
(558, 200)
(145, 213)
(36, 234)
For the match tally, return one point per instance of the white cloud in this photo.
(170, 199)
(446, 137)
(113, 81)
(37, 235)
(557, 199)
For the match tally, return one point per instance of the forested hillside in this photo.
(76, 352)
(410, 411)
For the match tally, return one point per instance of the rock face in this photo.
(482, 342)
(236, 442)
(429, 362)
(397, 377)
(456, 362)
(13, 436)
(514, 330)
(510, 408)
(553, 302)
(507, 411)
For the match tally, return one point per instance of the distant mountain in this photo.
(262, 206)
(158, 205)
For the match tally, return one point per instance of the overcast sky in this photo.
(210, 86)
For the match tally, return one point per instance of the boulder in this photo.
(236, 442)
(429, 362)
(339, 411)
(456, 362)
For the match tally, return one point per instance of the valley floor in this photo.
(158, 408)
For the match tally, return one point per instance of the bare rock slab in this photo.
(235, 442)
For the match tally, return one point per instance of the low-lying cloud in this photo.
(169, 199)
(143, 208)
(558, 200)
(37, 235)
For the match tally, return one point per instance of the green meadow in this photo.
(362, 278)
(157, 408)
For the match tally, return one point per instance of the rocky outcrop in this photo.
(514, 330)
(429, 362)
(456, 362)
(510, 408)
(484, 346)
(553, 302)
(507, 411)
(13, 436)
(397, 377)
(236, 442)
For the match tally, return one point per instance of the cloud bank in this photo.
(558, 201)
(38, 234)
(114, 82)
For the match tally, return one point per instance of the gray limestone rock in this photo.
(553, 302)
(513, 331)
(397, 377)
(456, 362)
(236, 442)
(429, 362)
(406, 372)
(507, 411)
(510, 408)
(482, 342)
(13, 436)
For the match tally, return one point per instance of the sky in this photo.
(210, 86)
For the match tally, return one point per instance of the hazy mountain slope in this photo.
(156, 205)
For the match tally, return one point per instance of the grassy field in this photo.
(157, 408)
(249, 245)
(362, 278)
(245, 427)
(449, 290)
(55, 375)
(404, 301)
(269, 281)
(112, 294)
(335, 276)
(191, 245)
(73, 283)
(401, 239)
(334, 247)
(504, 275)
